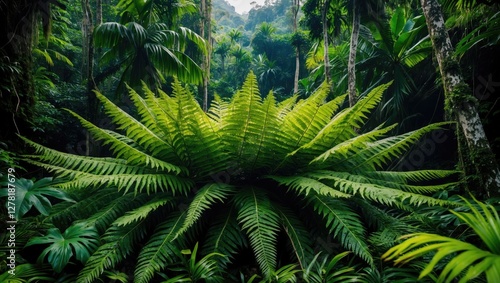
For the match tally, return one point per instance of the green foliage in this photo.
(29, 193)
(244, 176)
(324, 269)
(27, 273)
(465, 259)
(193, 270)
(149, 52)
(78, 240)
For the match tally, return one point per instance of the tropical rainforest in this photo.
(303, 141)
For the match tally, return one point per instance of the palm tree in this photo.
(223, 47)
(149, 53)
(240, 177)
(397, 46)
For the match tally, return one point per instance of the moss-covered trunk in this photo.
(461, 103)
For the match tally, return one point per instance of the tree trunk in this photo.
(295, 12)
(17, 93)
(206, 33)
(325, 40)
(351, 65)
(460, 101)
(87, 69)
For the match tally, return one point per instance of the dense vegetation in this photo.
(304, 141)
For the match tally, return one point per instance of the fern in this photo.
(118, 244)
(344, 224)
(205, 197)
(160, 249)
(224, 236)
(261, 224)
(249, 172)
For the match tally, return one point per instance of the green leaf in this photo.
(261, 224)
(78, 240)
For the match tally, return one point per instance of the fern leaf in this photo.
(240, 127)
(261, 223)
(137, 182)
(123, 150)
(308, 117)
(142, 212)
(355, 144)
(135, 130)
(299, 237)
(205, 197)
(118, 244)
(71, 163)
(304, 185)
(224, 236)
(116, 208)
(340, 128)
(382, 151)
(161, 249)
(344, 223)
(359, 185)
(411, 176)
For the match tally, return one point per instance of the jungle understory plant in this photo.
(251, 176)
(464, 259)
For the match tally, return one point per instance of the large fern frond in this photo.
(118, 244)
(360, 185)
(344, 223)
(125, 151)
(298, 235)
(261, 223)
(161, 249)
(205, 197)
(341, 127)
(224, 236)
(304, 186)
(136, 131)
(143, 211)
(380, 152)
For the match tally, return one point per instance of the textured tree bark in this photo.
(460, 101)
(17, 93)
(295, 12)
(351, 65)
(88, 70)
(325, 40)
(206, 33)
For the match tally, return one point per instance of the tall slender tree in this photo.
(460, 101)
(206, 33)
(295, 14)
(324, 18)
(351, 66)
